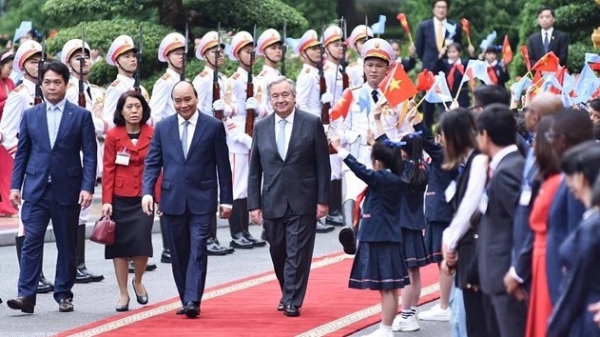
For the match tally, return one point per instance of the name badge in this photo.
(483, 204)
(450, 191)
(123, 158)
(525, 198)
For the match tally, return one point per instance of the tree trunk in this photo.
(171, 14)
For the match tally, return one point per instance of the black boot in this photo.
(323, 227)
(83, 274)
(335, 204)
(245, 222)
(44, 286)
(238, 240)
(213, 246)
(347, 235)
(165, 257)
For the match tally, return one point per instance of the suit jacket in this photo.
(559, 44)
(120, 180)
(36, 161)
(426, 43)
(194, 181)
(301, 179)
(495, 230)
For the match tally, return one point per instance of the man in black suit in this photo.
(548, 39)
(290, 150)
(432, 36)
(505, 315)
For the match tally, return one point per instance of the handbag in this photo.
(104, 231)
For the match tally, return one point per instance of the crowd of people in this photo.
(501, 193)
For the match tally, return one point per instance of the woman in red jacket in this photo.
(125, 150)
(6, 160)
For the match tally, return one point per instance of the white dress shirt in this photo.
(500, 155)
(191, 128)
(53, 117)
(549, 31)
(288, 128)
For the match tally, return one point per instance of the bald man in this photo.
(517, 280)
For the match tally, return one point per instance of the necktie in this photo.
(375, 96)
(546, 42)
(89, 92)
(184, 137)
(54, 113)
(281, 138)
(439, 36)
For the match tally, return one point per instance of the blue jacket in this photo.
(381, 208)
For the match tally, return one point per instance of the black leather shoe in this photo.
(44, 286)
(141, 299)
(151, 266)
(334, 219)
(322, 227)
(255, 242)
(348, 240)
(94, 277)
(191, 310)
(180, 311)
(82, 277)
(165, 257)
(21, 303)
(131, 267)
(122, 308)
(281, 306)
(66, 305)
(291, 311)
(215, 249)
(241, 243)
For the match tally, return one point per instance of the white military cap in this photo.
(309, 39)
(70, 47)
(379, 48)
(239, 41)
(208, 41)
(26, 50)
(169, 43)
(118, 47)
(332, 34)
(359, 32)
(267, 38)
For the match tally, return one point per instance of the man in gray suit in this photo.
(505, 315)
(290, 151)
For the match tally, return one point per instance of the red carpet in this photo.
(248, 308)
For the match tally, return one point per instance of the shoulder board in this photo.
(166, 76)
(235, 76)
(70, 85)
(202, 74)
(326, 67)
(19, 87)
(93, 86)
(356, 87)
(263, 73)
(307, 70)
(115, 83)
(353, 64)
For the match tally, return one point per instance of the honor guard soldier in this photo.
(26, 62)
(378, 57)
(360, 34)
(270, 47)
(121, 54)
(212, 53)
(72, 54)
(172, 52)
(240, 142)
(334, 52)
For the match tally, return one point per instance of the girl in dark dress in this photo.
(451, 63)
(379, 263)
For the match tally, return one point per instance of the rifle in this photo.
(283, 48)
(366, 39)
(81, 99)
(323, 85)
(138, 56)
(250, 89)
(343, 62)
(184, 63)
(216, 87)
(38, 86)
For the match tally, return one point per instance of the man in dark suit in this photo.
(548, 39)
(505, 315)
(190, 149)
(290, 150)
(48, 169)
(432, 36)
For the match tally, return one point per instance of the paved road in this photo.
(96, 301)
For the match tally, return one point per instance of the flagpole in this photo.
(445, 106)
(458, 92)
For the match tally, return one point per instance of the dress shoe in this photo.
(44, 286)
(322, 227)
(348, 240)
(281, 306)
(92, 277)
(181, 311)
(151, 266)
(241, 243)
(65, 305)
(216, 250)
(334, 219)
(165, 257)
(21, 303)
(255, 242)
(82, 278)
(191, 310)
(121, 308)
(141, 299)
(291, 311)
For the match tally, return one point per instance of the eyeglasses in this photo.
(285, 95)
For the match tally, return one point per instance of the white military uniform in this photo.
(355, 69)
(268, 73)
(308, 95)
(161, 102)
(333, 78)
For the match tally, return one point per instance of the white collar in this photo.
(126, 79)
(242, 71)
(501, 154)
(493, 64)
(193, 120)
(173, 74)
(549, 31)
(443, 22)
(289, 118)
(60, 105)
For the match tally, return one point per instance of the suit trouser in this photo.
(474, 313)
(35, 217)
(291, 240)
(505, 315)
(187, 235)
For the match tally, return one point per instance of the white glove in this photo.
(326, 98)
(251, 104)
(219, 105)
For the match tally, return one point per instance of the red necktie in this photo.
(359, 200)
(451, 73)
(492, 73)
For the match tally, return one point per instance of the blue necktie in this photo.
(184, 136)
(546, 42)
(281, 138)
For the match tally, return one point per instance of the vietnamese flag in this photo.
(525, 54)
(341, 108)
(425, 80)
(397, 86)
(507, 53)
(560, 77)
(548, 62)
(465, 26)
(403, 22)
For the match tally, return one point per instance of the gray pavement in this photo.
(96, 301)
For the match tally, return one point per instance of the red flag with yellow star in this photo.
(507, 53)
(341, 108)
(548, 62)
(397, 86)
